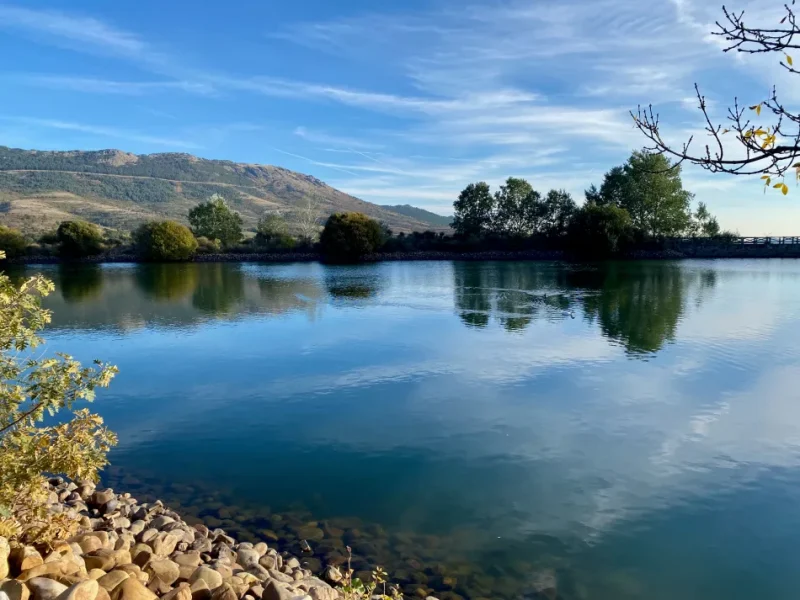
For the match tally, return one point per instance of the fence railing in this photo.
(745, 241)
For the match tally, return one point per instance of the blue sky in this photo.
(394, 102)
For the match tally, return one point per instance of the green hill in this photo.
(420, 214)
(120, 190)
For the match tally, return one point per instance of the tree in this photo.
(165, 240)
(474, 210)
(599, 231)
(748, 143)
(215, 220)
(30, 388)
(306, 219)
(703, 223)
(12, 242)
(558, 210)
(79, 239)
(649, 188)
(349, 237)
(518, 208)
(272, 231)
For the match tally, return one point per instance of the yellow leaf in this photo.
(724, 131)
(758, 110)
(760, 132)
(789, 60)
(785, 189)
(765, 177)
(777, 185)
(796, 166)
(748, 135)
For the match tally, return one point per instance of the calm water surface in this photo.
(631, 429)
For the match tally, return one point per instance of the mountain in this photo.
(420, 214)
(119, 190)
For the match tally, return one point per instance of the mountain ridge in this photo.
(120, 190)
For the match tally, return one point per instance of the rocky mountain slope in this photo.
(119, 190)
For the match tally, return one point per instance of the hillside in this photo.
(120, 190)
(420, 214)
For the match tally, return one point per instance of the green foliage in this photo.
(649, 187)
(215, 220)
(12, 242)
(272, 232)
(516, 208)
(30, 388)
(703, 223)
(474, 210)
(599, 231)
(349, 237)
(207, 246)
(165, 240)
(79, 239)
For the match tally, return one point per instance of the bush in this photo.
(599, 231)
(215, 220)
(349, 237)
(272, 233)
(207, 246)
(12, 242)
(165, 240)
(31, 388)
(79, 238)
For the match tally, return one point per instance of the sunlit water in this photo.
(632, 429)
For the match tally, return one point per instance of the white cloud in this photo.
(91, 85)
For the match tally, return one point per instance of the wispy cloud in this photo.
(321, 137)
(109, 132)
(89, 85)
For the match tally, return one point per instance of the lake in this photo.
(625, 430)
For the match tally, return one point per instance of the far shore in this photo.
(728, 251)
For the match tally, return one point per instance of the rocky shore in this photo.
(131, 551)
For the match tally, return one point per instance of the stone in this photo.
(132, 589)
(101, 498)
(163, 569)
(333, 574)
(268, 561)
(60, 567)
(276, 591)
(5, 550)
(182, 592)
(278, 576)
(89, 544)
(257, 590)
(200, 590)
(96, 574)
(101, 559)
(85, 590)
(43, 588)
(122, 556)
(247, 557)
(164, 544)
(111, 580)
(259, 572)
(224, 592)
(210, 576)
(102, 594)
(15, 590)
(201, 545)
(141, 553)
(24, 558)
(261, 548)
(188, 559)
(137, 527)
(159, 522)
(148, 535)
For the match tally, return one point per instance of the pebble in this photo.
(43, 588)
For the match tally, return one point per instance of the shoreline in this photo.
(704, 253)
(126, 550)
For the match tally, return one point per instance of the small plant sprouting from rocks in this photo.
(355, 589)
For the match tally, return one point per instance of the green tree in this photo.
(599, 231)
(30, 388)
(703, 223)
(272, 231)
(558, 210)
(79, 239)
(165, 240)
(12, 242)
(649, 187)
(349, 237)
(518, 208)
(215, 220)
(474, 210)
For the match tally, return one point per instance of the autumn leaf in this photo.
(785, 189)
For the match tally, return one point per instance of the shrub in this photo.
(12, 242)
(349, 237)
(79, 238)
(30, 388)
(599, 231)
(165, 240)
(207, 246)
(272, 232)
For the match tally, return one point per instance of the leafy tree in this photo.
(272, 231)
(558, 210)
(165, 240)
(599, 231)
(704, 223)
(30, 388)
(649, 187)
(215, 220)
(474, 210)
(79, 239)
(207, 246)
(349, 237)
(518, 208)
(12, 242)
(748, 143)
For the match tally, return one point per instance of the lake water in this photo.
(627, 430)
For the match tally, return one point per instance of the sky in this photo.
(391, 101)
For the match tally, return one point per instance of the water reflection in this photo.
(79, 283)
